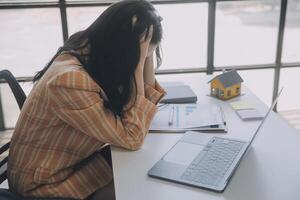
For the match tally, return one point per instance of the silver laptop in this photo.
(204, 161)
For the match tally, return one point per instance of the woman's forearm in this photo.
(149, 71)
(140, 79)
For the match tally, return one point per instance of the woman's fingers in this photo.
(144, 43)
(150, 33)
(147, 35)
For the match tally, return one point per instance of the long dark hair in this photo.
(113, 41)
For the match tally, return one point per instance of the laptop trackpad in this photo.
(183, 153)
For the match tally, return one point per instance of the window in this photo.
(184, 41)
(221, 93)
(291, 42)
(290, 98)
(9, 103)
(213, 91)
(237, 90)
(246, 32)
(29, 38)
(82, 17)
(263, 88)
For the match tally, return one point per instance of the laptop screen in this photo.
(264, 119)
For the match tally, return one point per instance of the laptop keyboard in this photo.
(212, 163)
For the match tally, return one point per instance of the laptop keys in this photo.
(211, 164)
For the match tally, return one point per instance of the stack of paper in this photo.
(183, 117)
(246, 111)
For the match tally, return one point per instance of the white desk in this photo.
(270, 171)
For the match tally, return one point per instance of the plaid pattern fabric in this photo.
(64, 121)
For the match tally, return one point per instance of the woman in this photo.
(98, 89)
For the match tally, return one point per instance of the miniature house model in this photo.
(226, 85)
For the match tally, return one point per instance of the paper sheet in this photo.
(241, 105)
(187, 116)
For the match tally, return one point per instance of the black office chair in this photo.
(20, 96)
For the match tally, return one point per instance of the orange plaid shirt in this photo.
(63, 121)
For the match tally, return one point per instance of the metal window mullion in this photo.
(288, 65)
(24, 5)
(64, 21)
(278, 63)
(211, 36)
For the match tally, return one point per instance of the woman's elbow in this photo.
(135, 138)
(135, 145)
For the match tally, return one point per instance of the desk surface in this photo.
(270, 171)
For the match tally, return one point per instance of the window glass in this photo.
(290, 81)
(82, 17)
(184, 41)
(10, 107)
(260, 82)
(29, 38)
(291, 42)
(246, 32)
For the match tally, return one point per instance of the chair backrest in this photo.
(14, 86)
(20, 98)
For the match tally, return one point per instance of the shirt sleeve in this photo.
(84, 110)
(154, 94)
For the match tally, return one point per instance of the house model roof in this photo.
(229, 78)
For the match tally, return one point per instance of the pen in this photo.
(171, 116)
(223, 115)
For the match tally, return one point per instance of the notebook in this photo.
(179, 94)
